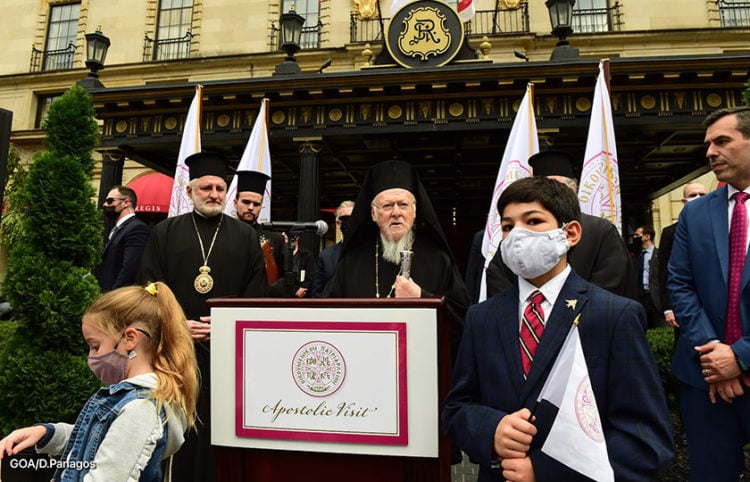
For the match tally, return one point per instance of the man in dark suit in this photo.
(329, 257)
(711, 299)
(647, 267)
(601, 257)
(121, 257)
(691, 192)
(498, 375)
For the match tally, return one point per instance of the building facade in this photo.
(351, 105)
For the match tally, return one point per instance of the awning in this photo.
(154, 191)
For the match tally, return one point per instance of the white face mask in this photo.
(530, 254)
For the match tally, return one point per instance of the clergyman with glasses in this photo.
(124, 245)
(393, 214)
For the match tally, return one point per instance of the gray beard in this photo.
(206, 211)
(392, 249)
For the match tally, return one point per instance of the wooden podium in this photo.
(325, 458)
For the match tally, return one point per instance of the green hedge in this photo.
(661, 341)
(58, 240)
(48, 386)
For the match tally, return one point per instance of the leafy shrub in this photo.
(661, 341)
(44, 376)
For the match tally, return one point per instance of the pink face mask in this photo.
(111, 367)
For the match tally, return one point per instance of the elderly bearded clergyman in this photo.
(392, 214)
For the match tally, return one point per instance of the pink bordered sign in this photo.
(322, 381)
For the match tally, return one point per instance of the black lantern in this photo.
(291, 32)
(561, 16)
(97, 45)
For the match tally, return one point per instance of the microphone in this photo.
(318, 227)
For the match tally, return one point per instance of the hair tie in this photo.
(151, 289)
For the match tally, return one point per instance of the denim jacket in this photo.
(82, 450)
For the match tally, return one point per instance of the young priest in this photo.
(512, 340)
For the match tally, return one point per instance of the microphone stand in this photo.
(291, 240)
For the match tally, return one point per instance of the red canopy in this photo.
(154, 190)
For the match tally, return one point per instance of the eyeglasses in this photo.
(110, 200)
(388, 207)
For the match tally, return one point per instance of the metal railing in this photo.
(488, 22)
(60, 59)
(366, 29)
(734, 14)
(484, 22)
(167, 49)
(310, 38)
(597, 19)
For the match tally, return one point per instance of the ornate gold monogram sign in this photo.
(425, 33)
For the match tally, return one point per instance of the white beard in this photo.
(392, 249)
(205, 210)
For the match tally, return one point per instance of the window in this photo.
(590, 16)
(61, 36)
(734, 13)
(173, 31)
(42, 108)
(310, 9)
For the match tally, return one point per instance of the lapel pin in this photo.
(571, 304)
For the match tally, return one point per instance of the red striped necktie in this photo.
(532, 327)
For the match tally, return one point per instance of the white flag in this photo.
(190, 144)
(576, 438)
(599, 189)
(397, 4)
(522, 144)
(466, 10)
(256, 157)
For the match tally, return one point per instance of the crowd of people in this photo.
(149, 333)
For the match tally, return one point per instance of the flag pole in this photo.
(608, 159)
(380, 20)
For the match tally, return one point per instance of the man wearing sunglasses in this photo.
(121, 257)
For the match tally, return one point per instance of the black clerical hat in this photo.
(391, 175)
(206, 164)
(252, 181)
(552, 163)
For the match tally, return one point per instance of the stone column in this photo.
(308, 203)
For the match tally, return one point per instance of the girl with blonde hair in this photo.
(140, 347)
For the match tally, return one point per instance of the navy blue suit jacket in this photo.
(327, 261)
(488, 382)
(698, 273)
(121, 257)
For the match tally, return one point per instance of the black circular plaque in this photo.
(425, 33)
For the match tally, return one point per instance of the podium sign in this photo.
(321, 381)
(325, 379)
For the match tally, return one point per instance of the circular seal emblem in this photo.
(318, 368)
(424, 33)
(586, 411)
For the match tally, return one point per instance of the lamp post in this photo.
(560, 16)
(97, 45)
(291, 32)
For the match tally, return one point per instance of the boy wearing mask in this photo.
(512, 340)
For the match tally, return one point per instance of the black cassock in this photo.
(173, 255)
(431, 268)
